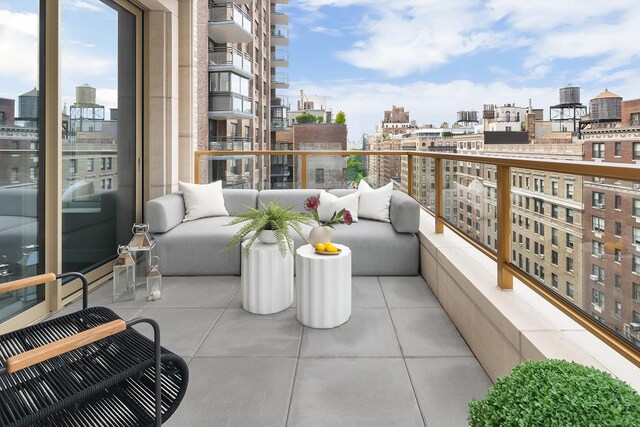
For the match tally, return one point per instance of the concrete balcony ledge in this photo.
(505, 328)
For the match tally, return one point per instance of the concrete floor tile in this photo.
(407, 291)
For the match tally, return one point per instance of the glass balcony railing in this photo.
(230, 103)
(280, 54)
(280, 101)
(230, 12)
(230, 143)
(279, 123)
(224, 58)
(280, 79)
(279, 32)
(570, 230)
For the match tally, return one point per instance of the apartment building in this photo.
(245, 50)
(612, 241)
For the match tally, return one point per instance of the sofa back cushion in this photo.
(165, 212)
(295, 198)
(18, 202)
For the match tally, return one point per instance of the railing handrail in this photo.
(617, 171)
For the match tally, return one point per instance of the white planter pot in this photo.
(268, 237)
(320, 234)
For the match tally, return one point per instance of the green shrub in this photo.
(557, 393)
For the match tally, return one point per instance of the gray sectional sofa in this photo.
(196, 247)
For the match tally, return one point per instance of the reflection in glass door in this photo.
(99, 132)
(19, 152)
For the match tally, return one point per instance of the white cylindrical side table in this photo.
(323, 287)
(266, 279)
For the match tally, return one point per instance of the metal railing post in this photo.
(505, 278)
(438, 192)
(303, 170)
(410, 175)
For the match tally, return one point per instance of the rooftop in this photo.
(399, 360)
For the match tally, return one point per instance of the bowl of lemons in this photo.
(327, 249)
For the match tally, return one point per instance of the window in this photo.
(554, 188)
(569, 191)
(538, 206)
(597, 271)
(617, 230)
(554, 236)
(569, 240)
(597, 248)
(569, 216)
(569, 264)
(14, 175)
(618, 309)
(89, 165)
(73, 166)
(636, 151)
(618, 149)
(617, 282)
(597, 298)
(618, 202)
(554, 258)
(598, 150)
(636, 207)
(319, 176)
(527, 243)
(569, 288)
(597, 200)
(636, 292)
(597, 224)
(636, 236)
(554, 280)
(635, 267)
(554, 211)
(617, 257)
(636, 317)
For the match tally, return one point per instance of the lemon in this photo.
(329, 247)
(320, 247)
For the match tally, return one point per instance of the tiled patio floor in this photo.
(398, 361)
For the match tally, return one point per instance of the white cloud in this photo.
(324, 30)
(88, 5)
(19, 46)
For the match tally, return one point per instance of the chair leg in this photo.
(158, 377)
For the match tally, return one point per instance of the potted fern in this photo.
(270, 225)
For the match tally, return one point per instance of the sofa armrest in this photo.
(165, 212)
(404, 213)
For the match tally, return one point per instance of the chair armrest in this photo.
(404, 213)
(37, 355)
(164, 212)
(27, 282)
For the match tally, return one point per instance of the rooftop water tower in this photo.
(565, 116)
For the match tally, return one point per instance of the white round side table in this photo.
(266, 279)
(323, 287)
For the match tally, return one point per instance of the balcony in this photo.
(229, 24)
(230, 143)
(280, 170)
(279, 35)
(279, 18)
(230, 59)
(280, 81)
(230, 105)
(279, 124)
(279, 58)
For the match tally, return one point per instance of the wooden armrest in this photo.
(26, 282)
(37, 355)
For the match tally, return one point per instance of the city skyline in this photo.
(474, 53)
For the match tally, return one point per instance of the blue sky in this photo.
(436, 57)
(88, 53)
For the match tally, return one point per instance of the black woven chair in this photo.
(88, 368)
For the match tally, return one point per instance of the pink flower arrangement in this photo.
(343, 216)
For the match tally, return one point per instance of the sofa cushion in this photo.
(377, 249)
(202, 200)
(164, 213)
(329, 204)
(404, 213)
(293, 198)
(197, 248)
(374, 204)
(237, 201)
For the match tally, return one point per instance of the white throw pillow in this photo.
(330, 204)
(202, 200)
(374, 204)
